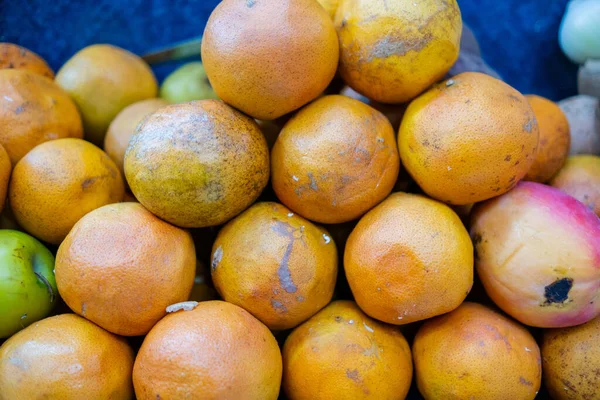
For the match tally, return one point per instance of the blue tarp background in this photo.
(519, 38)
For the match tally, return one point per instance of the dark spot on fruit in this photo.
(425, 142)
(338, 318)
(353, 374)
(525, 382)
(497, 189)
(477, 238)
(507, 158)
(277, 305)
(397, 46)
(217, 257)
(11, 65)
(285, 276)
(88, 182)
(313, 183)
(344, 23)
(512, 179)
(558, 291)
(20, 109)
(515, 98)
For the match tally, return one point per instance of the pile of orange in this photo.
(290, 240)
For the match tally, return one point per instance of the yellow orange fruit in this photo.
(474, 352)
(121, 267)
(197, 164)
(334, 160)
(275, 264)
(409, 259)
(123, 126)
(580, 178)
(65, 357)
(269, 57)
(390, 51)
(102, 80)
(571, 361)
(468, 139)
(18, 57)
(340, 353)
(555, 139)
(33, 110)
(60, 181)
(5, 170)
(217, 350)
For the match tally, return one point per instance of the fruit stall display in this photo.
(341, 200)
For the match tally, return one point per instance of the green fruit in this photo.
(27, 284)
(187, 83)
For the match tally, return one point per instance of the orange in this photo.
(60, 181)
(5, 169)
(571, 361)
(468, 139)
(102, 80)
(580, 178)
(215, 351)
(121, 267)
(197, 164)
(123, 126)
(409, 259)
(18, 57)
(390, 51)
(275, 264)
(33, 110)
(334, 160)
(340, 353)
(476, 353)
(555, 139)
(65, 357)
(269, 57)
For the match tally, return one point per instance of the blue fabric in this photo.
(519, 38)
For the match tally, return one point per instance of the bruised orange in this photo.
(571, 361)
(408, 259)
(390, 51)
(555, 139)
(334, 160)
(269, 57)
(65, 357)
(60, 181)
(474, 352)
(469, 138)
(18, 57)
(121, 267)
(275, 264)
(340, 353)
(197, 164)
(580, 178)
(33, 110)
(123, 126)
(217, 350)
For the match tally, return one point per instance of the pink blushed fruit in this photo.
(538, 255)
